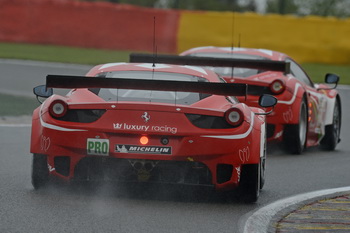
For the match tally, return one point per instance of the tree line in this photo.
(336, 8)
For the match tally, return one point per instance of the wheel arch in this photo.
(295, 106)
(257, 139)
(36, 132)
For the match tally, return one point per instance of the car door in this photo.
(315, 103)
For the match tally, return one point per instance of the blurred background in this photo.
(337, 8)
(89, 32)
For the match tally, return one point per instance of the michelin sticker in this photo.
(162, 150)
(97, 146)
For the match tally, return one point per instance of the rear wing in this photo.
(281, 66)
(70, 82)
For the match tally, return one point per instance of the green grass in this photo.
(17, 105)
(317, 72)
(61, 54)
(14, 106)
(97, 56)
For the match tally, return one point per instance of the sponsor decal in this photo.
(145, 128)
(96, 146)
(244, 154)
(288, 115)
(279, 134)
(162, 150)
(45, 143)
(238, 170)
(51, 168)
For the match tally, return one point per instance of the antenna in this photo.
(239, 40)
(154, 41)
(154, 54)
(232, 38)
(232, 29)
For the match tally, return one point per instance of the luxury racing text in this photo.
(145, 128)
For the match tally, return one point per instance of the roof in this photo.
(189, 70)
(269, 54)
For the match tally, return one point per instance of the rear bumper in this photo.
(221, 175)
(193, 160)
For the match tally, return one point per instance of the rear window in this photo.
(227, 71)
(184, 98)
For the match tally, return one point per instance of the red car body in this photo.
(317, 123)
(128, 136)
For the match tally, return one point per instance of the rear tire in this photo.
(295, 135)
(40, 171)
(250, 183)
(262, 171)
(263, 165)
(332, 132)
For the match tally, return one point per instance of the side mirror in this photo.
(42, 91)
(267, 101)
(332, 79)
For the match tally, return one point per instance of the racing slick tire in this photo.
(40, 171)
(294, 136)
(262, 170)
(332, 132)
(250, 183)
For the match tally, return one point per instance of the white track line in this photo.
(260, 220)
(45, 63)
(15, 125)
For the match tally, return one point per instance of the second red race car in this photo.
(150, 123)
(307, 114)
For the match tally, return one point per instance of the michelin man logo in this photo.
(146, 117)
(121, 149)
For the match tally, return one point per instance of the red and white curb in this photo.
(261, 221)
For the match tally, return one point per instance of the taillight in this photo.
(277, 87)
(58, 108)
(144, 140)
(234, 117)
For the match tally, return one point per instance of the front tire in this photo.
(332, 132)
(250, 183)
(295, 135)
(40, 171)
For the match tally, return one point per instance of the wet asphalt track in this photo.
(114, 209)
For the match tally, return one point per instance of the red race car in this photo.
(149, 123)
(306, 115)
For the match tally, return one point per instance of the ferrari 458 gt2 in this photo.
(307, 114)
(148, 122)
